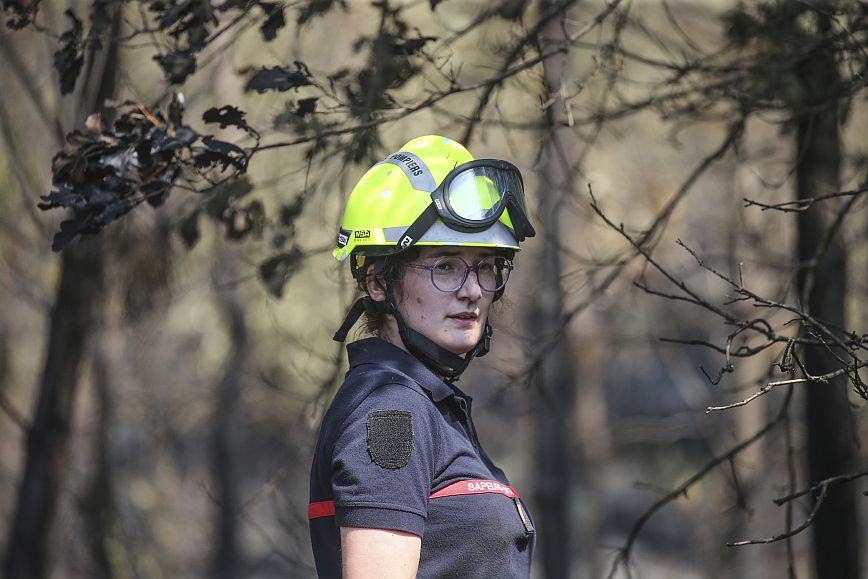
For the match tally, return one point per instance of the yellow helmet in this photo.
(433, 192)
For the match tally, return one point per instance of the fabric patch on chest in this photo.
(390, 438)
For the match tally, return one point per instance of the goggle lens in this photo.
(477, 194)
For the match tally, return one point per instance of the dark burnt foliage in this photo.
(229, 116)
(21, 12)
(184, 28)
(150, 150)
(275, 21)
(280, 78)
(312, 8)
(101, 175)
(69, 58)
(191, 25)
(780, 39)
(277, 269)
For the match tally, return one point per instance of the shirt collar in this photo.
(380, 352)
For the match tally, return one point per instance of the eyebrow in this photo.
(443, 253)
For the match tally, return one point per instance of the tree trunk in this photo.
(822, 285)
(227, 558)
(72, 319)
(99, 505)
(554, 379)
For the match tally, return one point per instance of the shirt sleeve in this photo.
(383, 462)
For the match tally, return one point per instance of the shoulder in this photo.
(394, 397)
(373, 388)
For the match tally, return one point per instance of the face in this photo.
(452, 320)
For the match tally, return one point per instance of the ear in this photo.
(374, 285)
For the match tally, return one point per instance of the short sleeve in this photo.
(383, 462)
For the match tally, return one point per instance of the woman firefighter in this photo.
(400, 485)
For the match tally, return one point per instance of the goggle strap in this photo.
(521, 226)
(418, 228)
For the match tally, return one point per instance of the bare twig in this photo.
(624, 552)
(789, 533)
(831, 481)
(13, 413)
(790, 382)
(528, 38)
(800, 205)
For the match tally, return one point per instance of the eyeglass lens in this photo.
(449, 273)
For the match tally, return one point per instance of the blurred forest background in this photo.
(676, 368)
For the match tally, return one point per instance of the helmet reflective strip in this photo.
(415, 168)
(498, 235)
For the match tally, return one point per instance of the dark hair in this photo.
(389, 270)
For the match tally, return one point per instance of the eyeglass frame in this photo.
(467, 269)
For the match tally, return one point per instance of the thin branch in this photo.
(831, 481)
(771, 385)
(790, 533)
(625, 551)
(400, 113)
(13, 413)
(528, 38)
(801, 205)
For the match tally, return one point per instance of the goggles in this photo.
(472, 198)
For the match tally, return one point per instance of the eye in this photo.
(485, 266)
(444, 266)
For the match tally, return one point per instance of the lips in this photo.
(465, 316)
(465, 320)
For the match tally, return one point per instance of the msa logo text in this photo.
(363, 233)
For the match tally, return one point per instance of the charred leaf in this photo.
(22, 12)
(228, 116)
(69, 58)
(313, 8)
(411, 46)
(217, 152)
(276, 270)
(275, 21)
(177, 66)
(280, 78)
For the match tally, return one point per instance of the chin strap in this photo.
(363, 304)
(439, 360)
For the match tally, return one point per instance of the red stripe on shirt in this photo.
(320, 509)
(464, 487)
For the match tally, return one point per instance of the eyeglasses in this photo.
(449, 273)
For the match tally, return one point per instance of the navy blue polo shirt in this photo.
(397, 449)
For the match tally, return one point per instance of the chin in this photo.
(462, 346)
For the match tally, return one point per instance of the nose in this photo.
(471, 290)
